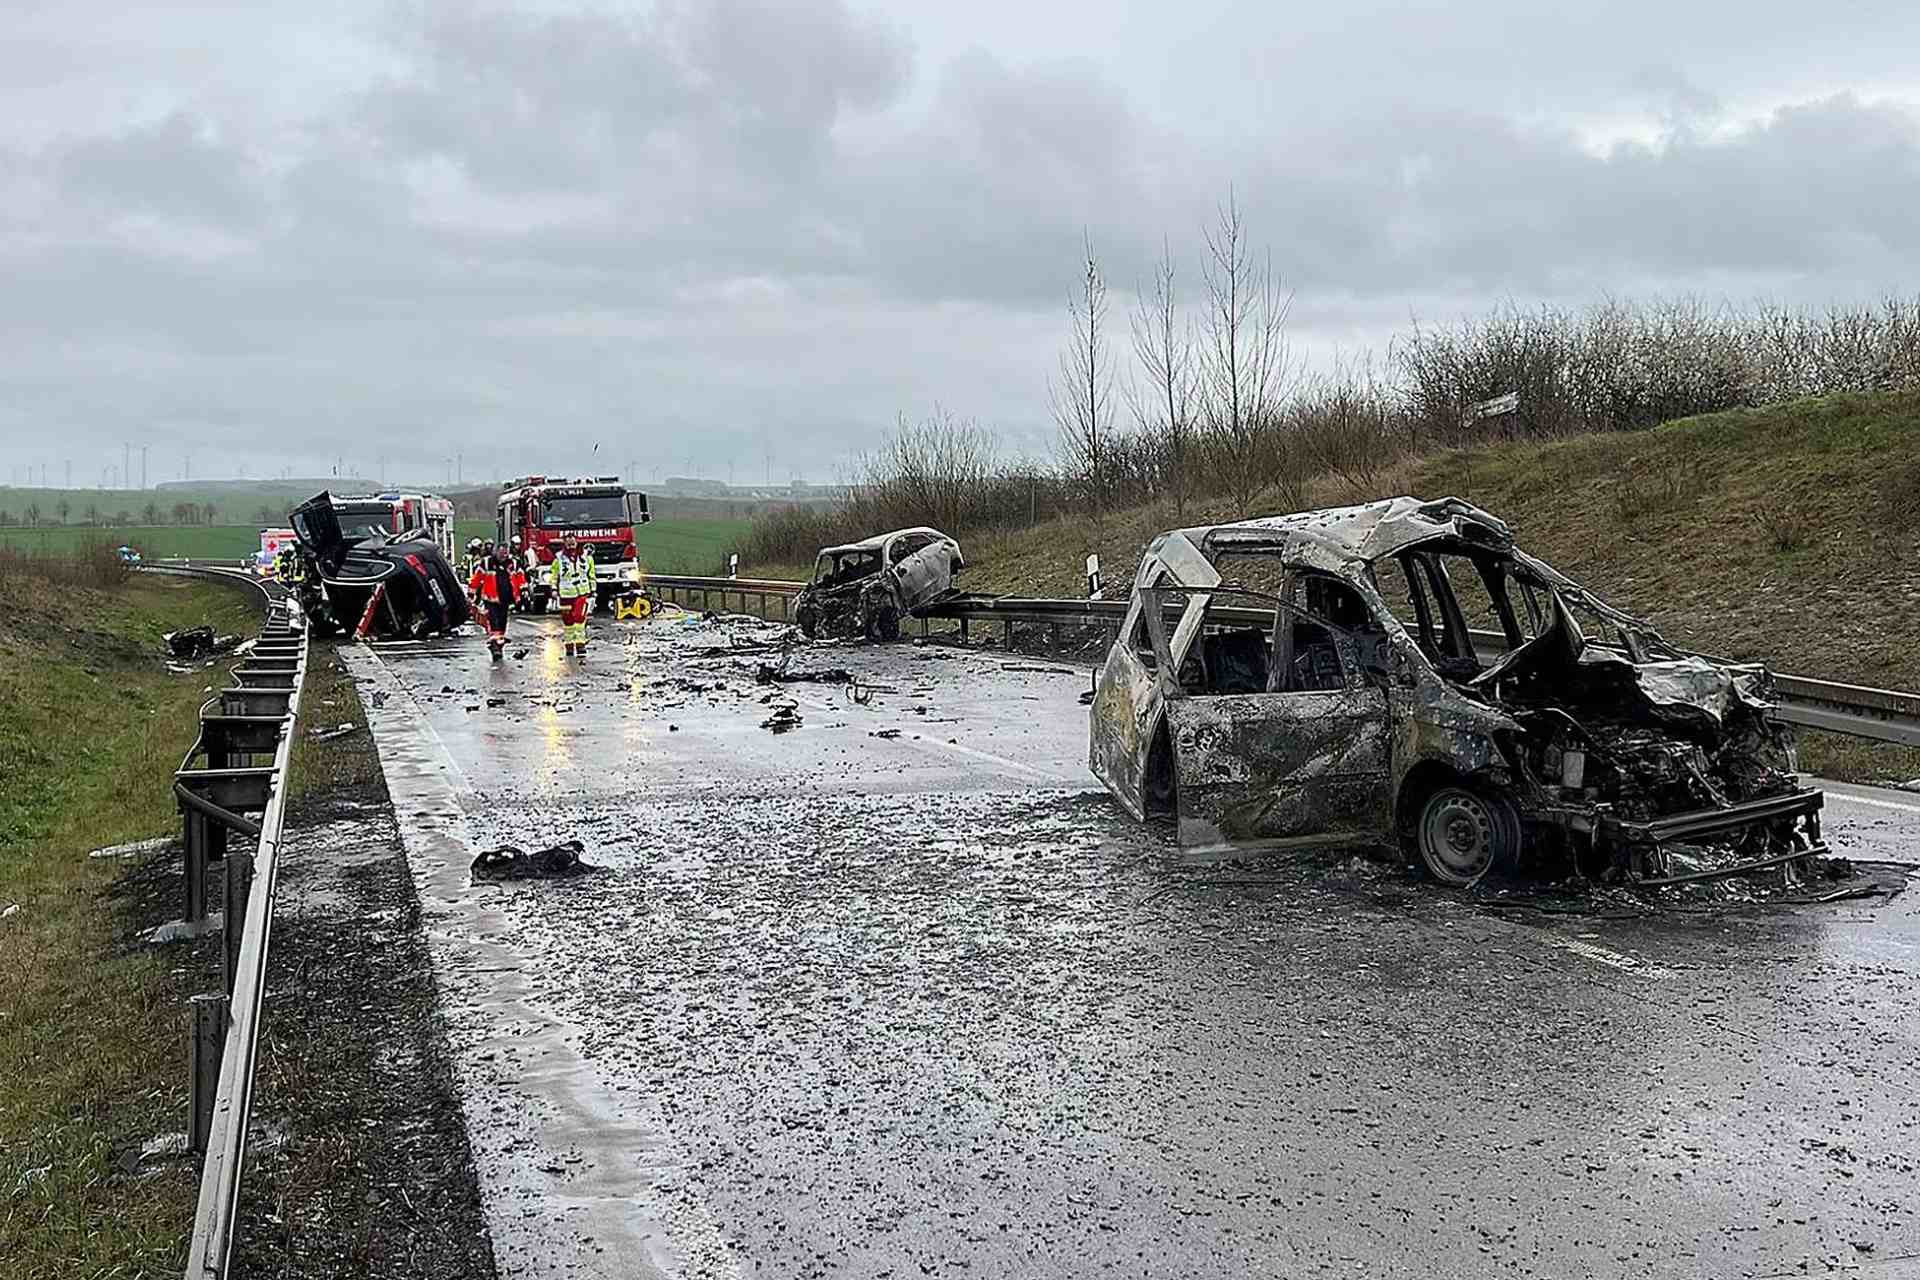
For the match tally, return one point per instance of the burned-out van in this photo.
(1402, 672)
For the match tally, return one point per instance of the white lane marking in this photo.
(1612, 959)
(910, 737)
(1046, 775)
(1851, 798)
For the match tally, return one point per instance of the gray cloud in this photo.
(723, 226)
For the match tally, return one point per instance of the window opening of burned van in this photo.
(592, 511)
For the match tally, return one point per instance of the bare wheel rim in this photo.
(1458, 836)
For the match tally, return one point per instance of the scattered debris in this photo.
(379, 697)
(185, 931)
(134, 849)
(510, 863)
(496, 702)
(785, 717)
(768, 673)
(518, 654)
(888, 734)
(8, 910)
(328, 735)
(1039, 671)
(197, 642)
(166, 1144)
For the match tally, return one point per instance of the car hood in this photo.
(1680, 692)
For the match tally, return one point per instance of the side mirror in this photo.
(1403, 672)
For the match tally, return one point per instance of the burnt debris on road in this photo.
(897, 990)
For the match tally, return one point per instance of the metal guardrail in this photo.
(220, 783)
(1883, 715)
(682, 589)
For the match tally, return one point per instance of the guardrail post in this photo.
(194, 838)
(1053, 631)
(209, 1039)
(1007, 641)
(963, 628)
(238, 887)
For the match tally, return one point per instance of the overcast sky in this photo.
(703, 232)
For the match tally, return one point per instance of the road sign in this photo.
(1494, 408)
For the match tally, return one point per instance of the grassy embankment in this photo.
(689, 545)
(1789, 534)
(93, 1026)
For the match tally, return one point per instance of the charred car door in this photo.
(1277, 734)
(1126, 739)
(1127, 707)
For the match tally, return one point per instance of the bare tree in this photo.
(1082, 393)
(1244, 358)
(65, 508)
(1163, 344)
(151, 513)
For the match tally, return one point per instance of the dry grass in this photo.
(92, 1034)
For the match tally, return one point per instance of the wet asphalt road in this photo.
(843, 1004)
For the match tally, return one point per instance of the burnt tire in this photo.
(883, 622)
(1462, 834)
(807, 618)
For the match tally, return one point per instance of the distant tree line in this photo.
(34, 516)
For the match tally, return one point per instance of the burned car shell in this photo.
(423, 595)
(867, 587)
(1304, 709)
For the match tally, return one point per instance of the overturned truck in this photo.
(1400, 672)
(350, 559)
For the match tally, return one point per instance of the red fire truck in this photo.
(599, 510)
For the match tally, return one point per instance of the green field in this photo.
(667, 545)
(200, 542)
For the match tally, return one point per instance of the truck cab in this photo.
(603, 513)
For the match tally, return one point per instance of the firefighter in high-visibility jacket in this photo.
(573, 585)
(495, 585)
